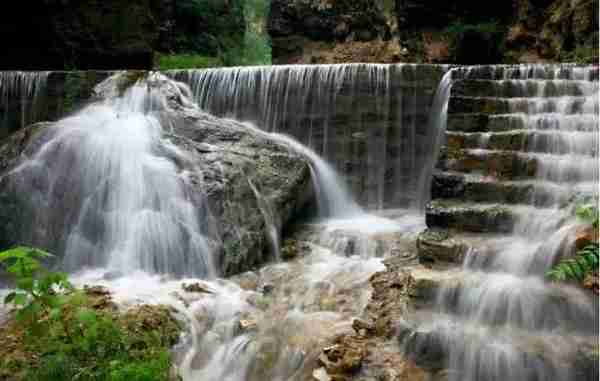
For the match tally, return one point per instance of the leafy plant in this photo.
(64, 334)
(588, 213)
(38, 292)
(586, 260)
(576, 268)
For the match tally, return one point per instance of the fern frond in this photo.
(585, 262)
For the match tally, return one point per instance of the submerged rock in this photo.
(197, 288)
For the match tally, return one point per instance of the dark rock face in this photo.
(226, 160)
(86, 34)
(292, 22)
(504, 31)
(114, 34)
(558, 29)
(417, 14)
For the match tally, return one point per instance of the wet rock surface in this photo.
(438, 246)
(367, 354)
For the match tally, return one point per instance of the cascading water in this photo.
(119, 201)
(368, 120)
(437, 127)
(105, 190)
(20, 95)
(109, 187)
(497, 318)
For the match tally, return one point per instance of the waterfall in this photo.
(498, 319)
(333, 199)
(20, 97)
(106, 186)
(438, 117)
(368, 120)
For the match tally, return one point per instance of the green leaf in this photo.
(23, 252)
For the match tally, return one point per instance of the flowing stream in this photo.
(128, 216)
(108, 184)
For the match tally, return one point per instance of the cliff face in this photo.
(463, 31)
(300, 26)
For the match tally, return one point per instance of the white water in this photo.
(438, 117)
(499, 319)
(126, 215)
(366, 120)
(315, 296)
(23, 90)
(106, 177)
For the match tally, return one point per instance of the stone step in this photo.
(499, 164)
(479, 122)
(476, 188)
(514, 165)
(478, 217)
(497, 299)
(471, 217)
(491, 105)
(477, 352)
(544, 72)
(523, 88)
(553, 141)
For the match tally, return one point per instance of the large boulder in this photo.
(233, 171)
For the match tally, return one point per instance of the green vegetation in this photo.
(587, 260)
(186, 61)
(588, 213)
(60, 333)
(577, 268)
(214, 33)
